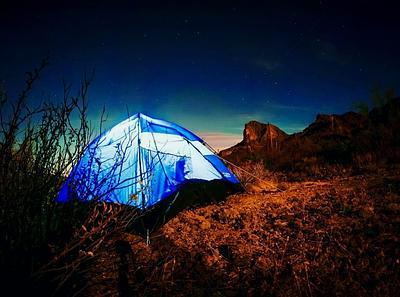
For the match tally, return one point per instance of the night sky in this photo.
(209, 67)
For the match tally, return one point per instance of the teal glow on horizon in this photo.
(210, 67)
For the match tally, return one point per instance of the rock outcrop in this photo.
(330, 139)
(259, 141)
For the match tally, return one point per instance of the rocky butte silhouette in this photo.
(330, 140)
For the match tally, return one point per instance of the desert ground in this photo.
(311, 238)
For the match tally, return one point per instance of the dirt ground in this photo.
(337, 237)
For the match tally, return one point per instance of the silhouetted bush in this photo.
(45, 244)
(38, 147)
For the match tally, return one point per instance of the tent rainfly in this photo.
(140, 162)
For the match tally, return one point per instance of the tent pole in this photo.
(140, 165)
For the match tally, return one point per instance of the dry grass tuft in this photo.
(256, 178)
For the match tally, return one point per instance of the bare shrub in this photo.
(38, 147)
(68, 267)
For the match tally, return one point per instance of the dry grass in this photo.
(255, 178)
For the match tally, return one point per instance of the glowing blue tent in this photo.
(140, 162)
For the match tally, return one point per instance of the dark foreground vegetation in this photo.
(42, 242)
(326, 223)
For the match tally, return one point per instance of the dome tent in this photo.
(141, 162)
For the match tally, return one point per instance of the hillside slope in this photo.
(350, 139)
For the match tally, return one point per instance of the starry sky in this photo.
(209, 66)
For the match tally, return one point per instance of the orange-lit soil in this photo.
(337, 237)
